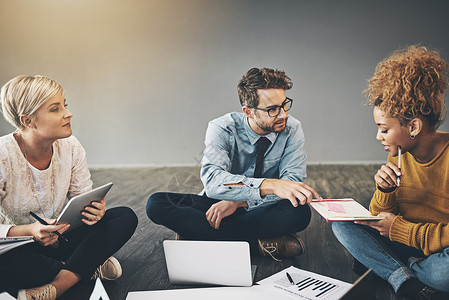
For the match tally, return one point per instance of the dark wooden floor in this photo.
(142, 257)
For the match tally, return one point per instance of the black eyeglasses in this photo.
(274, 111)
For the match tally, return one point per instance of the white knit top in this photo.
(23, 188)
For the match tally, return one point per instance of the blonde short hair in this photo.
(23, 95)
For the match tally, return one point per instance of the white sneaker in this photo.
(45, 292)
(109, 270)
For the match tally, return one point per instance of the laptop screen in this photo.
(208, 262)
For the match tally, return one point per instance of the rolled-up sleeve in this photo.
(287, 156)
(219, 182)
(292, 165)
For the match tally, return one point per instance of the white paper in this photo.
(99, 292)
(307, 285)
(6, 296)
(217, 293)
(7, 244)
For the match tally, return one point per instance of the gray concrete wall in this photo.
(143, 77)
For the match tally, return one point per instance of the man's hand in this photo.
(291, 190)
(221, 210)
(383, 226)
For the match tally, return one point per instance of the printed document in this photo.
(301, 284)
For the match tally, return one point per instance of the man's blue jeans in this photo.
(393, 261)
(185, 214)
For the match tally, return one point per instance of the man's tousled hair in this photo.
(261, 78)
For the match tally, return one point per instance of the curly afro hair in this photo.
(411, 83)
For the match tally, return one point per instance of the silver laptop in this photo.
(209, 262)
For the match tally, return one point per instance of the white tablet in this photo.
(71, 214)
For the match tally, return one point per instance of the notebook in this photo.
(346, 209)
(209, 262)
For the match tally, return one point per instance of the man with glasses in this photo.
(252, 170)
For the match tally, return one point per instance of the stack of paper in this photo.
(9, 243)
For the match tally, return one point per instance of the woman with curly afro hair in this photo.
(409, 247)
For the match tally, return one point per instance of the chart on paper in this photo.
(306, 285)
(311, 287)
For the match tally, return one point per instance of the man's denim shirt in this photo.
(230, 158)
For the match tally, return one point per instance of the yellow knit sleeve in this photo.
(383, 202)
(428, 237)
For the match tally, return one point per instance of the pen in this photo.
(42, 221)
(399, 162)
(289, 278)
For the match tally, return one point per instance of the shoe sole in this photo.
(117, 266)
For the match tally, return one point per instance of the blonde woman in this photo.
(41, 165)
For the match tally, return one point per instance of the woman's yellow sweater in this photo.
(421, 203)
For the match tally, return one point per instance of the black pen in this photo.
(42, 221)
(289, 278)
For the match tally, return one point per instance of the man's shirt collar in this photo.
(253, 136)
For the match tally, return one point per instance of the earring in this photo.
(412, 136)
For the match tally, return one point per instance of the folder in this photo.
(345, 209)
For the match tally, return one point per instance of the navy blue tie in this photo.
(262, 145)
